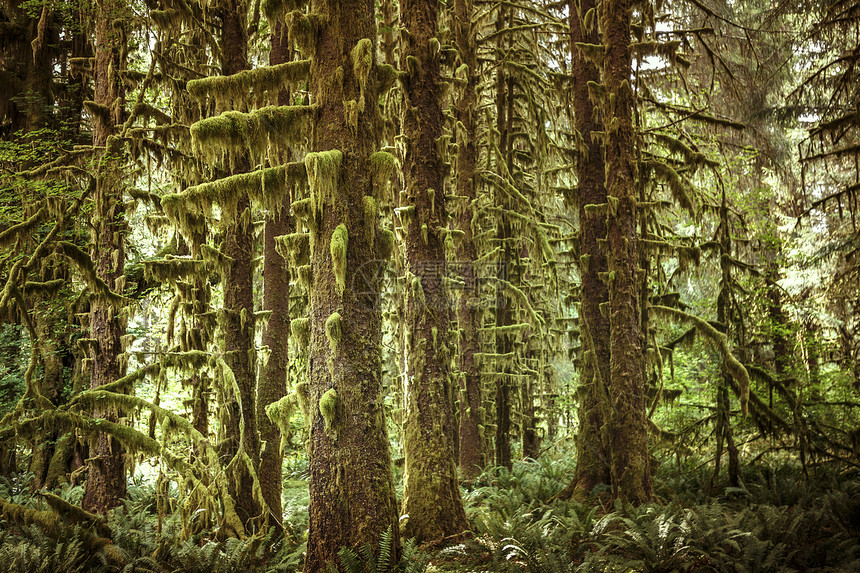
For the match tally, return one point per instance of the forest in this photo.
(371, 286)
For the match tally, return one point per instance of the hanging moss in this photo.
(323, 169)
(250, 88)
(233, 132)
(304, 28)
(301, 331)
(171, 269)
(362, 61)
(85, 265)
(338, 246)
(280, 413)
(216, 258)
(328, 410)
(674, 181)
(334, 331)
(276, 10)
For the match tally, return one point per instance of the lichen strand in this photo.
(250, 88)
(270, 129)
(338, 246)
(323, 169)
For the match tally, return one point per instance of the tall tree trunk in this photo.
(106, 482)
(276, 298)
(593, 461)
(431, 495)
(352, 499)
(472, 452)
(628, 429)
(504, 308)
(241, 421)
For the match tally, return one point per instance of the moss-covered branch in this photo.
(733, 366)
(257, 87)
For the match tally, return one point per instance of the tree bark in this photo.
(276, 298)
(431, 497)
(628, 430)
(352, 498)
(106, 480)
(473, 456)
(239, 351)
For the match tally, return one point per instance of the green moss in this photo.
(362, 61)
(323, 169)
(338, 246)
(386, 239)
(370, 211)
(250, 88)
(280, 413)
(328, 409)
(382, 167)
(10, 235)
(304, 29)
(334, 331)
(272, 127)
(301, 331)
(86, 267)
(386, 77)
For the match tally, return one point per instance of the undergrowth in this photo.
(775, 521)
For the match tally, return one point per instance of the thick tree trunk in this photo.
(628, 429)
(431, 496)
(106, 482)
(240, 420)
(352, 498)
(473, 457)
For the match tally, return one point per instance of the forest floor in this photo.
(778, 520)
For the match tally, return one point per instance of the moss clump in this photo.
(371, 212)
(362, 61)
(339, 242)
(386, 239)
(323, 169)
(334, 331)
(304, 28)
(280, 413)
(301, 331)
(233, 132)
(250, 88)
(328, 409)
(382, 167)
(386, 77)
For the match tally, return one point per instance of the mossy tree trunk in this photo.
(504, 304)
(106, 480)
(472, 452)
(241, 434)
(431, 495)
(593, 465)
(276, 298)
(628, 428)
(352, 498)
